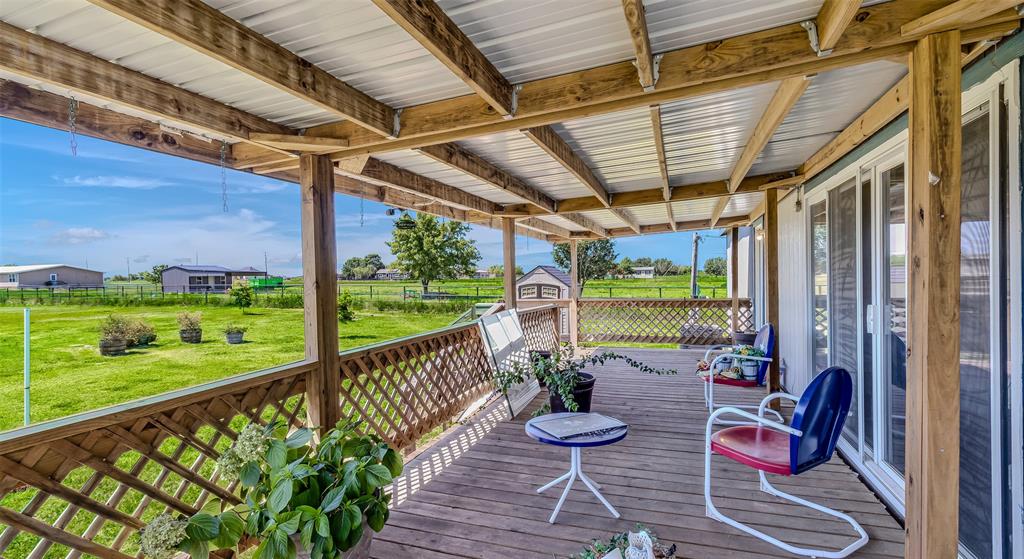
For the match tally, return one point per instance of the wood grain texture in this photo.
(37, 57)
(784, 98)
(660, 321)
(382, 172)
(734, 276)
(547, 139)
(771, 281)
(293, 142)
(215, 34)
(659, 146)
(933, 298)
(468, 162)
(833, 18)
(627, 218)
(432, 28)
(586, 223)
(320, 293)
(508, 247)
(955, 15)
(636, 21)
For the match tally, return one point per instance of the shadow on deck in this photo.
(473, 494)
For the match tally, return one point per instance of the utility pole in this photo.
(693, 267)
(128, 264)
(266, 267)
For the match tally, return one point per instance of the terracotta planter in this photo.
(235, 337)
(110, 347)
(360, 551)
(191, 336)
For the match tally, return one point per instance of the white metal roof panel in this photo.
(533, 39)
(354, 41)
(742, 204)
(94, 30)
(832, 101)
(517, 154)
(423, 165)
(675, 24)
(650, 215)
(618, 147)
(693, 210)
(604, 218)
(705, 135)
(562, 222)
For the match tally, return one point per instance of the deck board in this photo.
(473, 493)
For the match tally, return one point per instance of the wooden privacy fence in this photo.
(678, 321)
(85, 485)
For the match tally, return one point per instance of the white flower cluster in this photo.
(250, 445)
(160, 537)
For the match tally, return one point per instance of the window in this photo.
(548, 292)
(12, 278)
(53, 277)
(528, 291)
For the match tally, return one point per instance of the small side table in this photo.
(575, 466)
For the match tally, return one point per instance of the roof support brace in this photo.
(812, 36)
(655, 65)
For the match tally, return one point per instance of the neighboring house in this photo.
(201, 279)
(483, 274)
(643, 272)
(540, 286)
(391, 274)
(49, 275)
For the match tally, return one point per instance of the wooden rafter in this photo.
(468, 162)
(294, 142)
(833, 18)
(659, 146)
(547, 139)
(37, 57)
(432, 28)
(381, 172)
(693, 225)
(627, 218)
(636, 20)
(768, 55)
(586, 223)
(955, 15)
(211, 32)
(787, 94)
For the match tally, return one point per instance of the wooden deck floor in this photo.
(473, 494)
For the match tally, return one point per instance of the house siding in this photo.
(69, 276)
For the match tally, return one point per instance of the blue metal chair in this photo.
(765, 341)
(769, 446)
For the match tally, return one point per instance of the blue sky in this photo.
(112, 206)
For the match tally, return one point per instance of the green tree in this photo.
(433, 250)
(241, 293)
(643, 261)
(154, 276)
(497, 270)
(624, 267)
(663, 267)
(373, 261)
(355, 267)
(596, 259)
(364, 272)
(715, 266)
(346, 307)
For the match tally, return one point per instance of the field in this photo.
(69, 375)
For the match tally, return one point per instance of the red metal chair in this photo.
(765, 341)
(773, 447)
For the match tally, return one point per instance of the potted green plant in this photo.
(190, 327)
(321, 501)
(749, 367)
(570, 388)
(140, 333)
(235, 334)
(114, 333)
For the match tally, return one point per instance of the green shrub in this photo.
(346, 307)
(422, 307)
(115, 327)
(241, 293)
(190, 320)
(140, 333)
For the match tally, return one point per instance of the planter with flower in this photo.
(749, 367)
(190, 327)
(569, 387)
(321, 501)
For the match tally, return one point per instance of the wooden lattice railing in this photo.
(85, 485)
(679, 321)
(540, 326)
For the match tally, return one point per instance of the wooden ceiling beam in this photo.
(215, 34)
(636, 21)
(785, 97)
(432, 28)
(695, 225)
(586, 223)
(381, 172)
(468, 162)
(37, 57)
(626, 218)
(955, 15)
(294, 142)
(548, 140)
(833, 18)
(741, 61)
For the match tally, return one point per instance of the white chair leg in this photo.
(713, 512)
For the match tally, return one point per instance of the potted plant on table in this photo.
(570, 388)
(190, 327)
(301, 501)
(235, 334)
(749, 367)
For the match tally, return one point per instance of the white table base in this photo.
(576, 470)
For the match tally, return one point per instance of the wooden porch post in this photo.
(933, 299)
(508, 237)
(771, 274)
(574, 293)
(734, 237)
(320, 286)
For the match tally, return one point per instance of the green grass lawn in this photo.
(70, 376)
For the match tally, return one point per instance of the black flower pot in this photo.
(582, 393)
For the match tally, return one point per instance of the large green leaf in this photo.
(332, 499)
(393, 462)
(355, 518)
(376, 516)
(277, 454)
(299, 437)
(377, 476)
(307, 534)
(279, 496)
(323, 526)
(250, 474)
(360, 446)
(279, 543)
(289, 521)
(203, 526)
(197, 549)
(231, 527)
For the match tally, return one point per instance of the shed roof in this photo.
(213, 268)
(37, 267)
(552, 271)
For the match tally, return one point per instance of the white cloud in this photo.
(114, 181)
(80, 235)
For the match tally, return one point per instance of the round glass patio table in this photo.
(575, 467)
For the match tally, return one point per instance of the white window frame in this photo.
(546, 289)
(12, 278)
(528, 291)
(53, 276)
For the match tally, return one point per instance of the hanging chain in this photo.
(362, 194)
(224, 175)
(72, 123)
